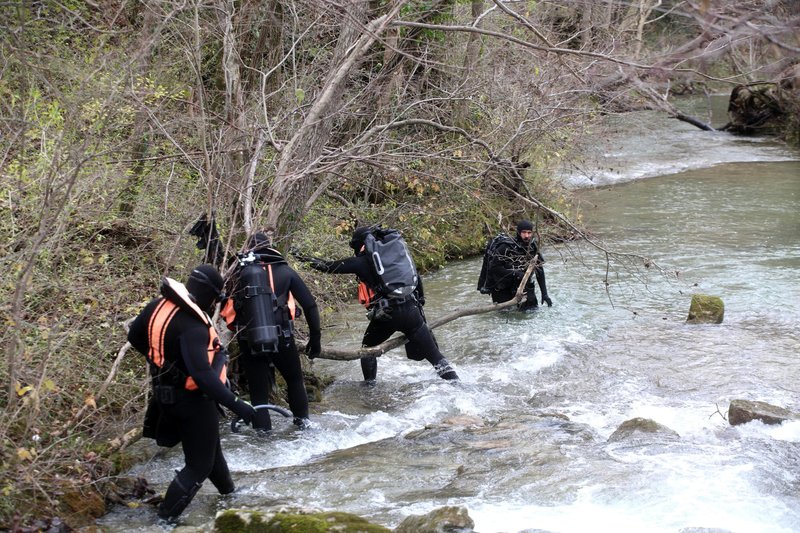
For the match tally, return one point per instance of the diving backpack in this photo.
(391, 262)
(484, 286)
(259, 306)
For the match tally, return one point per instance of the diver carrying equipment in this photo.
(391, 262)
(484, 286)
(175, 297)
(259, 306)
(488, 254)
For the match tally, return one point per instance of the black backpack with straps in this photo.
(392, 263)
(484, 283)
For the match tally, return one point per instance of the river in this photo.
(522, 441)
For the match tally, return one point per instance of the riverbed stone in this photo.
(442, 520)
(634, 426)
(706, 309)
(743, 411)
(253, 521)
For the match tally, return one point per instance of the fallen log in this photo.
(341, 354)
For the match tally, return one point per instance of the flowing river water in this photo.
(523, 441)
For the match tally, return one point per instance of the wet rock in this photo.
(463, 420)
(83, 506)
(250, 521)
(705, 309)
(743, 411)
(762, 109)
(634, 426)
(544, 399)
(442, 520)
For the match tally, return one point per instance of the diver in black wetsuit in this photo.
(404, 314)
(188, 370)
(290, 290)
(507, 265)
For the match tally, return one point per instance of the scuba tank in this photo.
(258, 306)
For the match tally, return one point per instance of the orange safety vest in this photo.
(365, 294)
(228, 312)
(163, 314)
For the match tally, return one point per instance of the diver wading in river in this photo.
(391, 290)
(504, 264)
(263, 269)
(265, 296)
(188, 371)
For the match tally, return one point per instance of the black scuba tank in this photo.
(259, 306)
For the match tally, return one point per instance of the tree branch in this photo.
(340, 354)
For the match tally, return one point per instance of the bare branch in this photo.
(338, 354)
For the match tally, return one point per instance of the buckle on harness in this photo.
(380, 310)
(164, 394)
(255, 290)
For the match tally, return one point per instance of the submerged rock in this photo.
(441, 520)
(706, 309)
(743, 411)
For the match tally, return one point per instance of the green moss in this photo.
(323, 523)
(233, 521)
(706, 309)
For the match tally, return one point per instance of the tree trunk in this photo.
(294, 178)
(461, 111)
(150, 37)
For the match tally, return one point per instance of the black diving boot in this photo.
(177, 498)
(221, 477)
(301, 422)
(369, 368)
(446, 371)
(262, 421)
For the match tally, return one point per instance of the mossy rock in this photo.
(630, 428)
(245, 521)
(448, 518)
(81, 506)
(706, 309)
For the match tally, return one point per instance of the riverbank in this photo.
(438, 232)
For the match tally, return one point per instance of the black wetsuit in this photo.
(404, 315)
(510, 259)
(286, 360)
(191, 417)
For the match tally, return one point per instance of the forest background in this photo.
(123, 121)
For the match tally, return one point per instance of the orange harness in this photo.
(163, 314)
(365, 294)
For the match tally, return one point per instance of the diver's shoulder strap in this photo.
(177, 293)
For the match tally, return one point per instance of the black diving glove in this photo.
(317, 264)
(314, 348)
(244, 410)
(202, 230)
(546, 300)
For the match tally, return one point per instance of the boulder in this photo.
(760, 108)
(744, 411)
(441, 520)
(631, 427)
(705, 309)
(292, 521)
